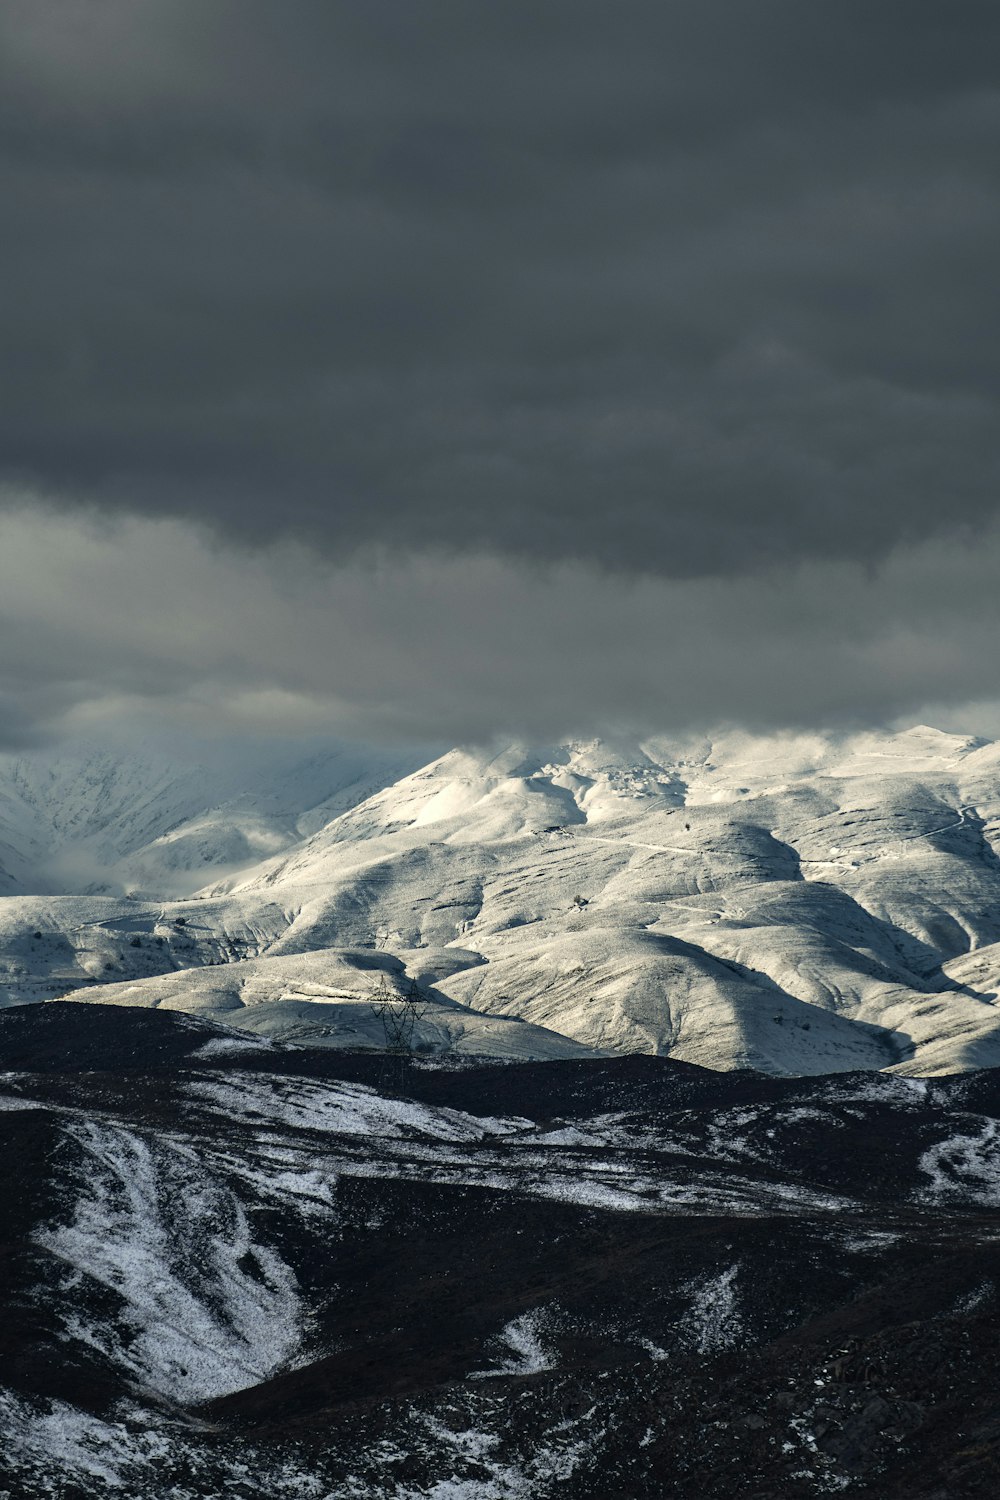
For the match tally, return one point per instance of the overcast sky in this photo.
(442, 369)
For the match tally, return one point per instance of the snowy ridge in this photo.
(797, 904)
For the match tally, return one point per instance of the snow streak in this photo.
(200, 1308)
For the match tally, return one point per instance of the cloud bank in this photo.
(524, 363)
(151, 624)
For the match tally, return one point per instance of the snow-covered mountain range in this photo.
(798, 904)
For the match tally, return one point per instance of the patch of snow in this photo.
(978, 1297)
(282, 1175)
(881, 1088)
(869, 1241)
(218, 1044)
(50, 1447)
(714, 1322)
(340, 1109)
(803, 1112)
(568, 1135)
(964, 1168)
(204, 1309)
(523, 1336)
(605, 1182)
(491, 1478)
(13, 1101)
(62, 1439)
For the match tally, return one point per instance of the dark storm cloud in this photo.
(679, 287)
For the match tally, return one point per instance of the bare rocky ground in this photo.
(240, 1269)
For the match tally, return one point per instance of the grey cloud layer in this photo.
(687, 288)
(144, 622)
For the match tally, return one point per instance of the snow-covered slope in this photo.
(798, 904)
(325, 998)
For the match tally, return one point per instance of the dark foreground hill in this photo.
(236, 1269)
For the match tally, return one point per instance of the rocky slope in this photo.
(235, 1268)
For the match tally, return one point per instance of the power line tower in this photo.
(399, 1015)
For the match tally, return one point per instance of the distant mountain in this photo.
(87, 820)
(796, 904)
